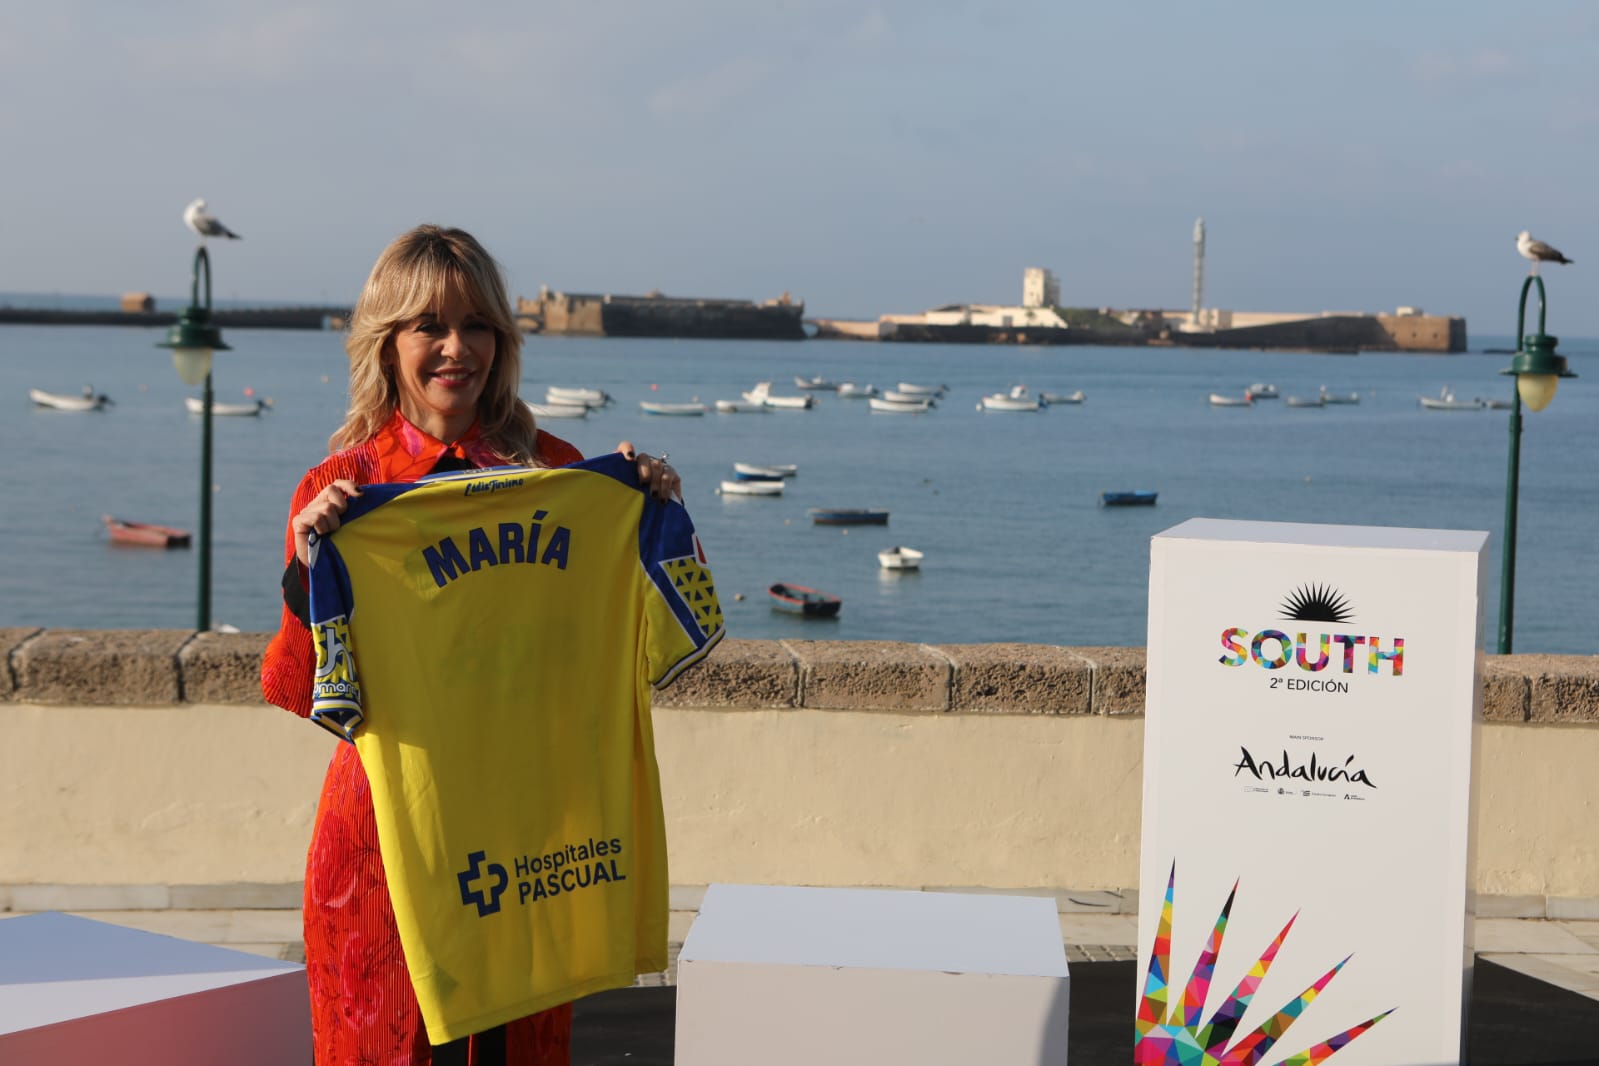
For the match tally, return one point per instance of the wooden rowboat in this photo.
(145, 534)
(830, 516)
(196, 406)
(89, 400)
(1127, 499)
(797, 599)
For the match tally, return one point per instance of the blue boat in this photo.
(797, 599)
(1127, 499)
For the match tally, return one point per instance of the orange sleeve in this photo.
(553, 451)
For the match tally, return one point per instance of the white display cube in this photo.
(786, 976)
(74, 990)
(1314, 697)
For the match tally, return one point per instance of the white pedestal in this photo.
(74, 990)
(1314, 694)
(781, 975)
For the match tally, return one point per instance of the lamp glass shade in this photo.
(1536, 389)
(195, 363)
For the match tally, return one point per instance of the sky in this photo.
(865, 157)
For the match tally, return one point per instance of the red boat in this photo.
(143, 533)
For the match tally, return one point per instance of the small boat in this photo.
(754, 470)
(752, 488)
(88, 400)
(1446, 401)
(651, 407)
(145, 534)
(1257, 391)
(1220, 400)
(1000, 401)
(558, 410)
(1050, 399)
(741, 407)
(1127, 499)
(899, 557)
(1339, 397)
(832, 516)
(848, 390)
(573, 395)
(817, 384)
(195, 405)
(1493, 405)
(900, 407)
(762, 393)
(895, 396)
(1305, 401)
(922, 390)
(798, 599)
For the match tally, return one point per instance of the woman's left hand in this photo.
(656, 474)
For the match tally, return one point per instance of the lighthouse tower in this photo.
(1199, 271)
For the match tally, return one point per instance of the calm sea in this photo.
(1006, 507)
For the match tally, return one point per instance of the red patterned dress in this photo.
(363, 1010)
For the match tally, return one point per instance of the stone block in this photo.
(1504, 689)
(1561, 688)
(1018, 679)
(239, 896)
(1573, 908)
(864, 675)
(222, 667)
(100, 668)
(11, 638)
(737, 673)
(1523, 906)
(89, 897)
(1118, 679)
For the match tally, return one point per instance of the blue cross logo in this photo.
(486, 904)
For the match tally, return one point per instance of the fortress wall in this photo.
(1426, 333)
(147, 759)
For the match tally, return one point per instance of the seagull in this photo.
(1537, 251)
(205, 224)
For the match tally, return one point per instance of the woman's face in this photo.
(441, 363)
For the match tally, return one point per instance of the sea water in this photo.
(1005, 506)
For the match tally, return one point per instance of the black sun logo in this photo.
(1317, 603)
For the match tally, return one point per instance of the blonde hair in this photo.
(412, 277)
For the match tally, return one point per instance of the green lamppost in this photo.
(192, 340)
(1538, 371)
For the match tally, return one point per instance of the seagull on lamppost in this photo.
(204, 223)
(1537, 251)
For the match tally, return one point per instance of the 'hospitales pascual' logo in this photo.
(1272, 647)
(476, 878)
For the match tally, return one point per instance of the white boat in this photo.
(196, 406)
(558, 410)
(741, 407)
(1219, 400)
(899, 558)
(899, 407)
(1009, 402)
(1305, 401)
(1052, 398)
(817, 384)
(569, 395)
(1446, 401)
(752, 488)
(895, 396)
(778, 470)
(1257, 391)
(651, 407)
(922, 390)
(88, 400)
(848, 390)
(762, 393)
(1339, 397)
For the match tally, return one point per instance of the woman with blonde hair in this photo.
(435, 362)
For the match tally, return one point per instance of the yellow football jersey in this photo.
(488, 640)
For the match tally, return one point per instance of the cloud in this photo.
(1483, 66)
(708, 91)
(870, 30)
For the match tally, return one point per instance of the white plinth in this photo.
(779, 975)
(1313, 701)
(74, 990)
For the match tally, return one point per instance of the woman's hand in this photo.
(656, 475)
(321, 516)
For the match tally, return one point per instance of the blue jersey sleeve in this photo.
(336, 685)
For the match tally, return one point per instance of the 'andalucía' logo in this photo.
(489, 903)
(1180, 1036)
